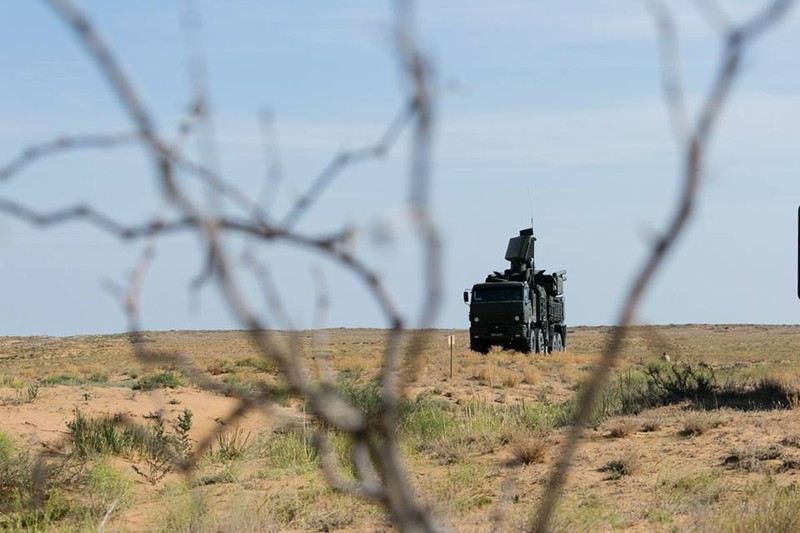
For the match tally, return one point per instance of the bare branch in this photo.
(376, 450)
(714, 15)
(345, 160)
(335, 477)
(189, 123)
(322, 354)
(272, 159)
(693, 158)
(61, 145)
(670, 70)
(64, 144)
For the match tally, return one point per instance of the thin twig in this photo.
(63, 144)
(694, 155)
(345, 160)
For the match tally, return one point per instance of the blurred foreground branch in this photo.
(693, 145)
(378, 471)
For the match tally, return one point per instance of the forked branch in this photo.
(693, 154)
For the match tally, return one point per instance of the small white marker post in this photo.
(451, 340)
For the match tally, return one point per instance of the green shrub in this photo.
(185, 510)
(72, 380)
(678, 382)
(427, 420)
(220, 366)
(545, 416)
(28, 501)
(15, 471)
(157, 381)
(231, 444)
(366, 397)
(465, 487)
(278, 393)
(258, 363)
(106, 488)
(107, 434)
(113, 435)
(289, 452)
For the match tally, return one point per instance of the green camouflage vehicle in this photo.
(521, 308)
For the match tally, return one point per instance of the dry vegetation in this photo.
(91, 435)
(114, 432)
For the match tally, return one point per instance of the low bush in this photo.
(220, 366)
(427, 420)
(260, 364)
(621, 429)
(232, 444)
(107, 488)
(366, 396)
(150, 443)
(15, 470)
(669, 383)
(699, 423)
(621, 466)
(545, 415)
(107, 434)
(158, 381)
(68, 379)
(528, 448)
(288, 452)
(750, 459)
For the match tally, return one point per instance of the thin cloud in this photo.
(602, 136)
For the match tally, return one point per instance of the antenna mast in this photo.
(530, 205)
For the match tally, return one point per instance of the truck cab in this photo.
(501, 314)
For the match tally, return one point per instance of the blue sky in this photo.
(561, 99)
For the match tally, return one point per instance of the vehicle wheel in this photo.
(479, 347)
(558, 343)
(526, 345)
(540, 346)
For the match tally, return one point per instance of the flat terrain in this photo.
(708, 441)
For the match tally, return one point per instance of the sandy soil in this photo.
(662, 456)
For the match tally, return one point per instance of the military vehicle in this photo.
(521, 308)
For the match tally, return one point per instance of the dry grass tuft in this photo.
(794, 400)
(626, 465)
(751, 459)
(485, 374)
(651, 423)
(531, 375)
(792, 440)
(621, 428)
(699, 423)
(489, 374)
(508, 378)
(220, 366)
(528, 448)
(453, 449)
(769, 508)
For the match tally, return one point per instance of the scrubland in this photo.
(92, 438)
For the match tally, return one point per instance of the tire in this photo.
(527, 345)
(558, 343)
(539, 345)
(479, 347)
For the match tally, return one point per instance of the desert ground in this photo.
(707, 441)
